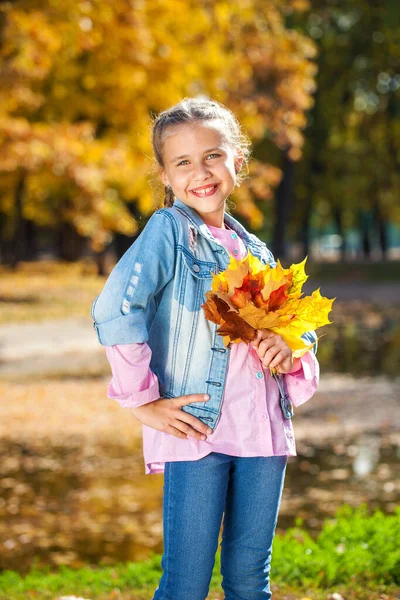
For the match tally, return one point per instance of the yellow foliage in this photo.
(81, 81)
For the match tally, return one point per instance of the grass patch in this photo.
(356, 553)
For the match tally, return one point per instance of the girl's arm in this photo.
(133, 383)
(134, 386)
(126, 304)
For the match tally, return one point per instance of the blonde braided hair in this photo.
(168, 196)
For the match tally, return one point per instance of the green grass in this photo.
(355, 546)
(356, 553)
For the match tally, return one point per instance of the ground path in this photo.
(60, 346)
(69, 347)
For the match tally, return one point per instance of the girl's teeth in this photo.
(204, 191)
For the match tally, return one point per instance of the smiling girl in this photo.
(211, 417)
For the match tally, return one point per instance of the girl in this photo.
(213, 418)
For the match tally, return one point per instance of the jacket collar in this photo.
(198, 222)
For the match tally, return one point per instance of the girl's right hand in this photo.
(165, 414)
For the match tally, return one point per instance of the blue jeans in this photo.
(247, 491)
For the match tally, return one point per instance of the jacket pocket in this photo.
(200, 269)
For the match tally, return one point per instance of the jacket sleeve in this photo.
(125, 307)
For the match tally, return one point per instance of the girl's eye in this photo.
(185, 161)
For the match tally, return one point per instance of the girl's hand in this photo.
(273, 351)
(165, 414)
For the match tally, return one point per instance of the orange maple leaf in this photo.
(231, 324)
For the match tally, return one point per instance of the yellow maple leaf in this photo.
(249, 295)
(298, 279)
(274, 278)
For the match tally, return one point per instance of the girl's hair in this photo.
(196, 110)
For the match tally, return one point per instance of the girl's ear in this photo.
(163, 176)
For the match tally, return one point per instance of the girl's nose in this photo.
(201, 172)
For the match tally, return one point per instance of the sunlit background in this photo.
(316, 86)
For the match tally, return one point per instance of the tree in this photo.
(349, 174)
(83, 80)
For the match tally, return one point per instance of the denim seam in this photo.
(177, 329)
(207, 264)
(190, 255)
(199, 295)
(169, 534)
(224, 382)
(203, 409)
(163, 211)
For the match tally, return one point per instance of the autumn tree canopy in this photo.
(83, 79)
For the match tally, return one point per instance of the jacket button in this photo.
(259, 375)
(234, 235)
(196, 268)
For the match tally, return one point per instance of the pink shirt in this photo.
(251, 421)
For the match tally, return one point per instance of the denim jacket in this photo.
(154, 295)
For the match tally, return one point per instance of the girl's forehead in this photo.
(195, 133)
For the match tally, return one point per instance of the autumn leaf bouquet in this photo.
(249, 295)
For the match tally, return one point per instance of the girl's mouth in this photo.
(206, 191)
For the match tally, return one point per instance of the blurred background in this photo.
(316, 85)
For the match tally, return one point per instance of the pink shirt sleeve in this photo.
(133, 383)
(302, 381)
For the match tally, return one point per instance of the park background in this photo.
(316, 85)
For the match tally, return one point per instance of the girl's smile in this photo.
(205, 175)
(208, 190)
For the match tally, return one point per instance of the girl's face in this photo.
(201, 167)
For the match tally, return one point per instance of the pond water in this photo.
(63, 505)
(364, 338)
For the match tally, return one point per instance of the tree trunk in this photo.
(70, 245)
(305, 227)
(30, 246)
(100, 260)
(283, 204)
(381, 227)
(338, 216)
(17, 249)
(365, 230)
(122, 242)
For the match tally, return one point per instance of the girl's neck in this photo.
(223, 226)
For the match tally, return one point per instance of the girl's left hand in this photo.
(273, 351)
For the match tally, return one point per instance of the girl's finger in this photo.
(173, 431)
(187, 430)
(278, 359)
(266, 344)
(269, 356)
(194, 422)
(257, 339)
